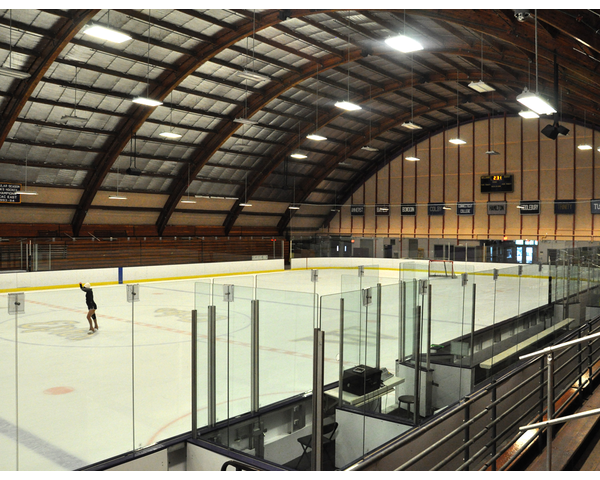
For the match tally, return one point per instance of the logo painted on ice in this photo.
(62, 328)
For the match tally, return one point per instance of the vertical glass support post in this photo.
(194, 374)
(211, 391)
(317, 404)
(473, 311)
(378, 331)
(254, 351)
(402, 321)
(417, 359)
(341, 355)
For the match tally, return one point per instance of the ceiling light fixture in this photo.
(584, 146)
(348, 106)
(528, 114)
(315, 137)
(404, 44)
(536, 103)
(147, 101)
(298, 155)
(249, 73)
(458, 140)
(188, 189)
(294, 207)
(170, 135)
(105, 33)
(117, 196)
(245, 204)
(531, 100)
(412, 126)
(481, 87)
(412, 159)
(368, 148)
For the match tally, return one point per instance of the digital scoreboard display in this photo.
(497, 183)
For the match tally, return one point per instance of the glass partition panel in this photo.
(285, 344)
(202, 300)
(8, 382)
(162, 357)
(74, 392)
(233, 350)
(241, 280)
(330, 312)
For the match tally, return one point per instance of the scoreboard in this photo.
(497, 183)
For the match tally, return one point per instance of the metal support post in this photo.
(341, 354)
(254, 350)
(378, 332)
(211, 365)
(316, 460)
(194, 374)
(550, 410)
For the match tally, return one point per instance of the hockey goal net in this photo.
(441, 268)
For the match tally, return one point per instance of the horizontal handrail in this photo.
(554, 421)
(559, 346)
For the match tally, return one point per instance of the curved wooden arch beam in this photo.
(163, 86)
(66, 31)
(229, 127)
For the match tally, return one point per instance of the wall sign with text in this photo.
(435, 209)
(595, 204)
(408, 209)
(531, 207)
(382, 210)
(8, 193)
(496, 208)
(564, 207)
(357, 210)
(467, 208)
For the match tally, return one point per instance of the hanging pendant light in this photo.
(457, 140)
(147, 101)
(117, 196)
(249, 73)
(314, 136)
(412, 158)
(347, 104)
(481, 86)
(74, 119)
(404, 43)
(245, 204)
(585, 145)
(26, 191)
(170, 133)
(188, 189)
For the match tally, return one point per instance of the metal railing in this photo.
(482, 431)
(550, 422)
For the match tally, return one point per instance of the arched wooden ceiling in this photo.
(190, 60)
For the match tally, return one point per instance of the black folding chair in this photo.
(306, 441)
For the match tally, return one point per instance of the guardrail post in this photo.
(550, 410)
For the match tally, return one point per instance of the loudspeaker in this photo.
(361, 380)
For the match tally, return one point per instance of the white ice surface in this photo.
(78, 399)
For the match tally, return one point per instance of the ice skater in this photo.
(89, 300)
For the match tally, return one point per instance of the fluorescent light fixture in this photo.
(294, 207)
(317, 138)
(298, 155)
(446, 208)
(73, 120)
(11, 72)
(412, 126)
(104, 33)
(117, 197)
(492, 152)
(26, 192)
(245, 121)
(147, 101)
(481, 87)
(170, 135)
(368, 148)
(188, 201)
(534, 102)
(584, 146)
(245, 204)
(349, 106)
(412, 159)
(404, 44)
(250, 75)
(520, 206)
(457, 141)
(528, 114)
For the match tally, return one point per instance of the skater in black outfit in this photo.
(89, 300)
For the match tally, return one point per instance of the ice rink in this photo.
(69, 399)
